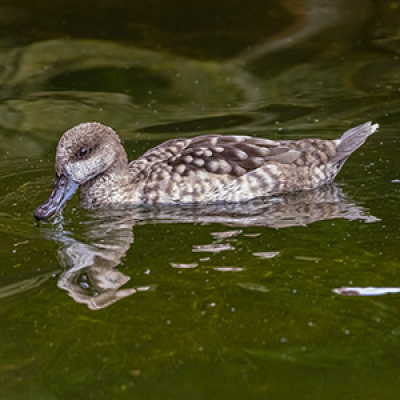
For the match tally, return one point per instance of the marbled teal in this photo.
(203, 169)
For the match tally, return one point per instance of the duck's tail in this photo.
(352, 139)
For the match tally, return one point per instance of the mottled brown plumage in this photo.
(204, 169)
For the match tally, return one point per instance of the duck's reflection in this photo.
(90, 275)
(293, 209)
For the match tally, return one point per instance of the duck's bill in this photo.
(64, 188)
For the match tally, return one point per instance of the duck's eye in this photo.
(83, 152)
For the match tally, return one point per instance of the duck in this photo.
(202, 169)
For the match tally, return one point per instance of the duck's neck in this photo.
(119, 168)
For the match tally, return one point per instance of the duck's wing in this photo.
(230, 155)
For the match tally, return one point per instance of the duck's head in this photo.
(83, 153)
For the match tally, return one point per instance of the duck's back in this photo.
(237, 168)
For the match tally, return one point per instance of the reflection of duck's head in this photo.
(85, 152)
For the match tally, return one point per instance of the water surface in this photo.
(200, 302)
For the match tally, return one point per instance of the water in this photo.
(200, 302)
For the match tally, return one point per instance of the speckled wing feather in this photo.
(230, 155)
(157, 155)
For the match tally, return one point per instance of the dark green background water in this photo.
(203, 303)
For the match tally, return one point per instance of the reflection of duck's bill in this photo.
(64, 188)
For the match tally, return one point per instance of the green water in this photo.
(208, 302)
